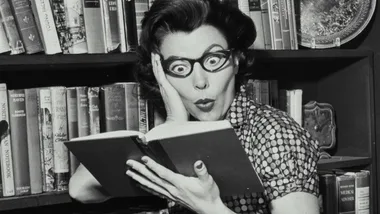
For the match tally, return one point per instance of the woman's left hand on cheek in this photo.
(197, 193)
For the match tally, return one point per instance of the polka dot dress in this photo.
(282, 152)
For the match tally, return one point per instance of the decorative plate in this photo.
(319, 120)
(331, 23)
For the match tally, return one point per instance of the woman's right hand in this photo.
(175, 109)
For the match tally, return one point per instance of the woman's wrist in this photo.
(218, 207)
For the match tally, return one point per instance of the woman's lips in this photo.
(205, 106)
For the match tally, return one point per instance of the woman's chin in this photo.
(208, 116)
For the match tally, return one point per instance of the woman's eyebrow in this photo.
(205, 51)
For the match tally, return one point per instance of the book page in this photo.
(175, 129)
(113, 134)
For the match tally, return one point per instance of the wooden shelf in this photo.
(130, 57)
(316, 54)
(67, 59)
(340, 162)
(19, 202)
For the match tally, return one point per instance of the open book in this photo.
(176, 146)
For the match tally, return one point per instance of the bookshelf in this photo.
(342, 77)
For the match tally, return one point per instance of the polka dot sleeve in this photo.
(284, 154)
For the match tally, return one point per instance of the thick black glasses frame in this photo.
(200, 60)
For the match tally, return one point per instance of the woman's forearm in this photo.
(85, 188)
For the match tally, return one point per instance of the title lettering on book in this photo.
(18, 97)
(3, 111)
(112, 5)
(347, 193)
(5, 143)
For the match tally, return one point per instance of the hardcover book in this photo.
(176, 146)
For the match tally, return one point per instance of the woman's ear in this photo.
(236, 64)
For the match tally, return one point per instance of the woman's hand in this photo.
(201, 194)
(176, 111)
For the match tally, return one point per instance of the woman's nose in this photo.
(200, 77)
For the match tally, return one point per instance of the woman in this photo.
(192, 56)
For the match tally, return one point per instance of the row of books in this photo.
(34, 158)
(275, 23)
(70, 26)
(345, 192)
(267, 92)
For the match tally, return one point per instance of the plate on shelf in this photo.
(331, 23)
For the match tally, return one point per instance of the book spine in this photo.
(114, 25)
(143, 113)
(93, 106)
(83, 111)
(59, 16)
(61, 154)
(27, 26)
(107, 24)
(266, 25)
(276, 26)
(141, 6)
(4, 45)
(9, 23)
(130, 24)
(94, 25)
(362, 192)
(19, 141)
(76, 42)
(72, 123)
(121, 26)
(45, 22)
(132, 103)
(292, 24)
(47, 139)
(284, 22)
(346, 193)
(7, 175)
(114, 107)
(33, 141)
(255, 14)
(328, 195)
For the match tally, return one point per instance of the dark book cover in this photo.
(33, 136)
(10, 27)
(72, 123)
(27, 26)
(327, 188)
(176, 147)
(113, 107)
(346, 193)
(130, 24)
(19, 141)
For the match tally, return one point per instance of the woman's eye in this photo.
(179, 67)
(214, 61)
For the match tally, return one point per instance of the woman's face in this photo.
(206, 95)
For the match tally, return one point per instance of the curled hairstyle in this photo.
(170, 16)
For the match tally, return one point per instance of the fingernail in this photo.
(129, 163)
(144, 159)
(199, 165)
(128, 172)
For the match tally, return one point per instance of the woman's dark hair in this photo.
(167, 16)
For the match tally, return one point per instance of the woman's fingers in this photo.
(143, 170)
(161, 171)
(149, 184)
(201, 171)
